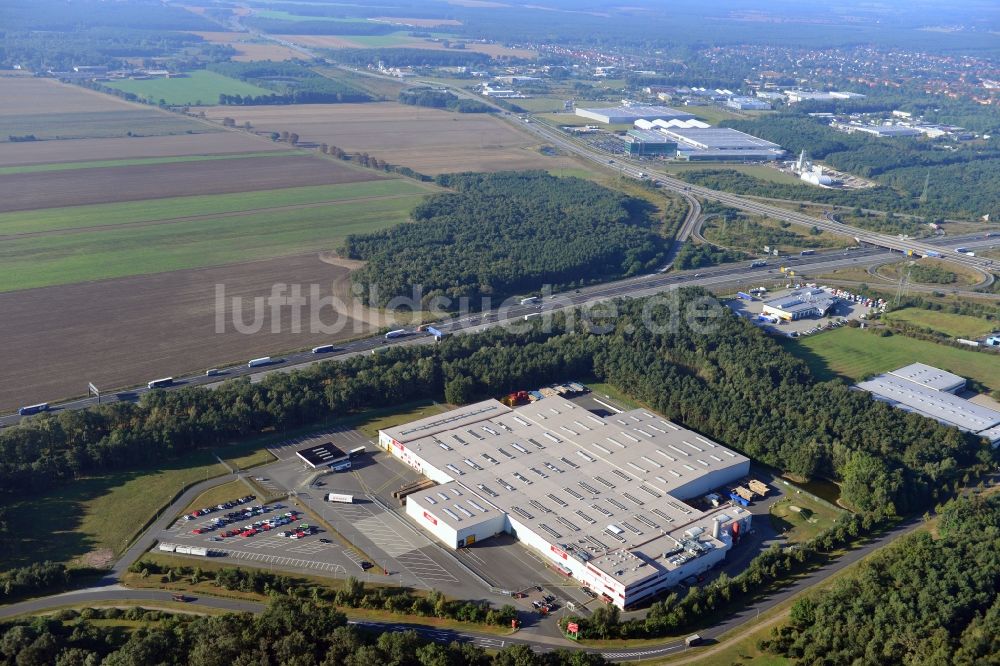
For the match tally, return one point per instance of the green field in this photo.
(68, 258)
(140, 161)
(755, 170)
(97, 513)
(101, 124)
(955, 325)
(711, 114)
(197, 88)
(855, 353)
(80, 217)
(812, 518)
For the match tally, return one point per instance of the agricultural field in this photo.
(954, 325)
(249, 49)
(376, 86)
(427, 140)
(126, 331)
(196, 88)
(48, 109)
(90, 150)
(402, 39)
(854, 354)
(61, 246)
(52, 189)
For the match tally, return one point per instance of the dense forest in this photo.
(928, 599)
(436, 98)
(504, 234)
(292, 82)
(290, 632)
(962, 181)
(55, 34)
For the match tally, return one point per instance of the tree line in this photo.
(507, 233)
(290, 632)
(353, 594)
(441, 99)
(293, 83)
(676, 613)
(928, 599)
(728, 381)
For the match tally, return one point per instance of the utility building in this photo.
(799, 304)
(600, 498)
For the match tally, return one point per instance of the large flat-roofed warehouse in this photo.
(801, 303)
(629, 114)
(928, 391)
(721, 144)
(599, 497)
(930, 377)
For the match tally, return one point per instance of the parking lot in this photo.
(274, 534)
(841, 313)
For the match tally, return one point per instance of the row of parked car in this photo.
(264, 525)
(197, 513)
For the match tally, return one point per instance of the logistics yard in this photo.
(426, 140)
(377, 528)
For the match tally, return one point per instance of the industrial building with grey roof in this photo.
(721, 143)
(628, 114)
(930, 392)
(600, 497)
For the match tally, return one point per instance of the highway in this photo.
(634, 169)
(643, 285)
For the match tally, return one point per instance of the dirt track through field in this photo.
(32, 191)
(128, 331)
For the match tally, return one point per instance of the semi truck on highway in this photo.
(160, 383)
(258, 362)
(323, 349)
(33, 409)
(758, 263)
(398, 333)
(437, 333)
(529, 300)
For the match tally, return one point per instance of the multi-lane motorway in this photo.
(644, 170)
(632, 287)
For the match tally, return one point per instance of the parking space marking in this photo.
(287, 561)
(425, 567)
(286, 450)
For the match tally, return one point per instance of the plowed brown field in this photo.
(90, 150)
(29, 191)
(125, 332)
(427, 140)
